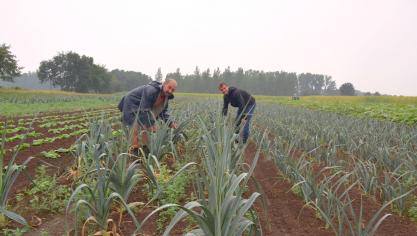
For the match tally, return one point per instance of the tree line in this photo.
(278, 83)
(73, 72)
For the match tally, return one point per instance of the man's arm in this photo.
(225, 105)
(164, 115)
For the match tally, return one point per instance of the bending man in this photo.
(243, 101)
(143, 105)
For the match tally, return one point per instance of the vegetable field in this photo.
(397, 109)
(315, 166)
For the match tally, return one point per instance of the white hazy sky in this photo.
(371, 43)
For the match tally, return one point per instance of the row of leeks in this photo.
(107, 176)
(328, 156)
(220, 208)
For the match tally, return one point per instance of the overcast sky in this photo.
(371, 43)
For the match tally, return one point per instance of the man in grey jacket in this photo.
(142, 106)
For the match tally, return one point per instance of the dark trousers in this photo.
(246, 126)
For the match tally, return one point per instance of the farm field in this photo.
(319, 168)
(22, 102)
(397, 109)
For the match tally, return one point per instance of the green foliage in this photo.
(173, 192)
(95, 202)
(22, 146)
(73, 72)
(26, 102)
(222, 211)
(47, 194)
(396, 109)
(412, 211)
(274, 83)
(158, 75)
(8, 64)
(16, 232)
(8, 175)
(126, 80)
(347, 89)
(377, 157)
(50, 154)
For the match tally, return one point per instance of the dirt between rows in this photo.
(286, 214)
(54, 113)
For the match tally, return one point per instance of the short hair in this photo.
(222, 84)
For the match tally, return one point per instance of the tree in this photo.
(100, 79)
(158, 75)
(176, 75)
(197, 74)
(72, 72)
(347, 89)
(329, 84)
(216, 73)
(8, 64)
(276, 83)
(206, 74)
(125, 80)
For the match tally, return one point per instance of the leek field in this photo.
(322, 165)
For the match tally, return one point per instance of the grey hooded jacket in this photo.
(140, 100)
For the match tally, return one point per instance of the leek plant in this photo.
(395, 185)
(97, 199)
(221, 208)
(8, 175)
(367, 175)
(123, 178)
(365, 147)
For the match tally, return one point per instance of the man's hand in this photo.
(173, 125)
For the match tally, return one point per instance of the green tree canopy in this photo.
(8, 64)
(158, 75)
(126, 80)
(72, 72)
(347, 89)
(276, 83)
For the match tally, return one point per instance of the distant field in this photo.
(397, 109)
(24, 102)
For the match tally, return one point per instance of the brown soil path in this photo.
(285, 211)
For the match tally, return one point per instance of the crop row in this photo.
(328, 156)
(203, 150)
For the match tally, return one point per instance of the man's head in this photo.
(169, 86)
(224, 88)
